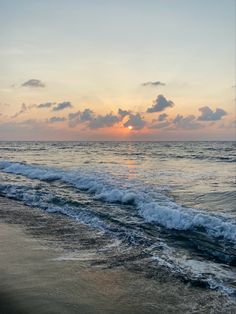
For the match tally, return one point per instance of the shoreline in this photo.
(51, 264)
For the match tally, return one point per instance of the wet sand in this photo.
(51, 264)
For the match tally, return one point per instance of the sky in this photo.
(117, 70)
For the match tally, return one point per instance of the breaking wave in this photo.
(138, 215)
(154, 208)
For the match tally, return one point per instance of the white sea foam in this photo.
(171, 216)
(44, 201)
(176, 217)
(163, 212)
(210, 273)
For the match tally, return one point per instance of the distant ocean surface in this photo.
(175, 199)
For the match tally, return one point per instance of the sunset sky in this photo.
(117, 70)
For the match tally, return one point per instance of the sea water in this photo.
(174, 200)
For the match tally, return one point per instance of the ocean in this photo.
(172, 201)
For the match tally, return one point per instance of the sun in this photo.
(130, 127)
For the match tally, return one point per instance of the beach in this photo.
(117, 157)
(42, 272)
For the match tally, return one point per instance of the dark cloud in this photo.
(207, 114)
(161, 122)
(123, 113)
(75, 118)
(162, 117)
(62, 106)
(33, 83)
(160, 125)
(103, 121)
(22, 110)
(56, 119)
(188, 122)
(93, 121)
(160, 104)
(86, 115)
(25, 108)
(153, 84)
(73, 115)
(136, 121)
(46, 105)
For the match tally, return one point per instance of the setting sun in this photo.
(117, 133)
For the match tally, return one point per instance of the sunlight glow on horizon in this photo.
(117, 63)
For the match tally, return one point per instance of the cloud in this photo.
(188, 122)
(62, 106)
(160, 104)
(123, 113)
(56, 119)
(162, 117)
(136, 121)
(161, 122)
(103, 121)
(80, 116)
(207, 114)
(86, 115)
(33, 83)
(93, 121)
(46, 105)
(73, 119)
(153, 84)
(23, 109)
(160, 125)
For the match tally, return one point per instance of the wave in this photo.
(33, 196)
(204, 273)
(198, 156)
(42, 195)
(162, 211)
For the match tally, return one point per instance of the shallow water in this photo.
(173, 201)
(39, 277)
